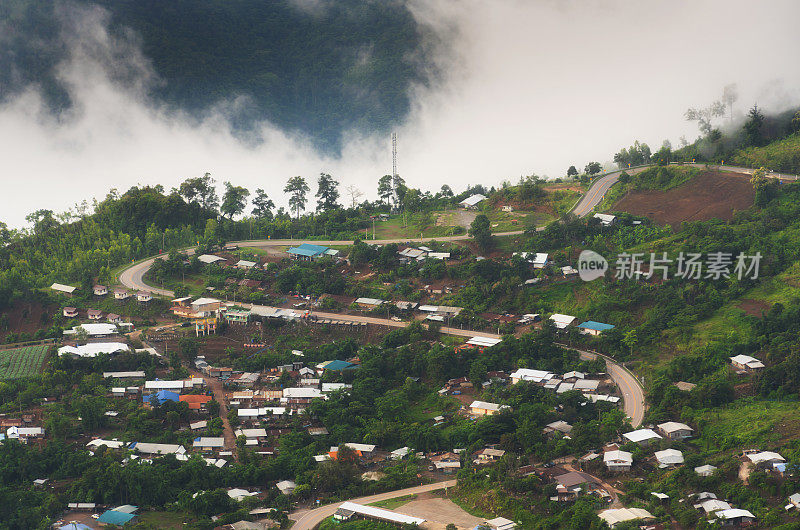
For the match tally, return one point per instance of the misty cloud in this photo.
(528, 88)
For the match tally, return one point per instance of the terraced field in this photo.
(27, 361)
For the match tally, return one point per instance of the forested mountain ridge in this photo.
(317, 72)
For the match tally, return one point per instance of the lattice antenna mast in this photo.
(394, 156)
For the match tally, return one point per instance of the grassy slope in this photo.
(781, 155)
(746, 423)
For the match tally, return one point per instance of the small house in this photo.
(208, 443)
(100, 290)
(746, 363)
(674, 430)
(557, 426)
(483, 408)
(70, 312)
(606, 219)
(562, 321)
(114, 318)
(705, 470)
(618, 460)
(94, 314)
(669, 458)
(121, 294)
(144, 297)
(590, 327)
(307, 252)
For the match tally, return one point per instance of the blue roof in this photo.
(307, 249)
(340, 365)
(162, 396)
(597, 326)
(115, 517)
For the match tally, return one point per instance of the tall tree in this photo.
(234, 200)
(200, 190)
(593, 168)
(399, 188)
(385, 190)
(355, 194)
(262, 205)
(297, 188)
(446, 192)
(572, 171)
(327, 193)
(752, 127)
(704, 116)
(481, 231)
(729, 96)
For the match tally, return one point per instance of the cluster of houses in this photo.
(617, 460)
(120, 294)
(574, 380)
(22, 429)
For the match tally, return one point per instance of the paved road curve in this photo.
(630, 387)
(309, 519)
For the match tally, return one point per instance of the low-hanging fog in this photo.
(528, 87)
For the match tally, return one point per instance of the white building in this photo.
(618, 460)
(669, 458)
(642, 436)
(562, 321)
(747, 363)
(674, 430)
(526, 374)
(472, 202)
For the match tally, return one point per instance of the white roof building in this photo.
(239, 494)
(562, 321)
(245, 264)
(674, 429)
(745, 361)
(209, 441)
(333, 387)
(618, 457)
(369, 301)
(527, 374)
(484, 405)
(286, 486)
(642, 436)
(669, 458)
(111, 444)
(615, 516)
(93, 349)
(60, 287)
(302, 393)
(209, 258)
(501, 523)
(164, 385)
(734, 513)
(486, 342)
(538, 259)
(765, 457)
(380, 514)
(157, 449)
(605, 219)
(94, 329)
(712, 505)
(473, 200)
(124, 375)
(705, 470)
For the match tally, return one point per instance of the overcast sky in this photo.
(530, 87)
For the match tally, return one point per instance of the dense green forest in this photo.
(315, 71)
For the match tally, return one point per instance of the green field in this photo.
(22, 362)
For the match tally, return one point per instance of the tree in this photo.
(572, 171)
(446, 192)
(297, 187)
(704, 116)
(200, 190)
(213, 408)
(234, 200)
(759, 178)
(327, 193)
(630, 339)
(481, 231)
(262, 205)
(399, 188)
(752, 127)
(385, 189)
(593, 168)
(796, 122)
(354, 193)
(729, 96)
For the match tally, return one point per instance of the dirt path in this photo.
(219, 396)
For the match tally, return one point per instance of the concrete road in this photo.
(309, 519)
(598, 190)
(630, 387)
